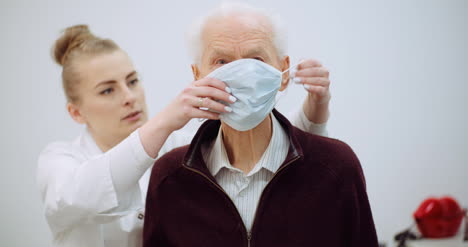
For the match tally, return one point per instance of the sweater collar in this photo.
(209, 130)
(216, 156)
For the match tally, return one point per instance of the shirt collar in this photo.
(87, 143)
(217, 157)
(277, 149)
(271, 160)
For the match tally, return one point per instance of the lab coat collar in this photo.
(88, 144)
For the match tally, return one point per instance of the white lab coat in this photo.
(82, 206)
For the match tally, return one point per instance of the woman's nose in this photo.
(129, 96)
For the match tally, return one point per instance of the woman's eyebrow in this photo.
(113, 81)
(131, 74)
(105, 82)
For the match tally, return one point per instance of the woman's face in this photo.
(111, 98)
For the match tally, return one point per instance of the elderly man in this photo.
(252, 179)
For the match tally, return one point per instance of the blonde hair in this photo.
(75, 42)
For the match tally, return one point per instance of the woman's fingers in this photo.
(203, 102)
(313, 81)
(309, 63)
(203, 99)
(197, 113)
(319, 90)
(212, 82)
(209, 92)
(312, 72)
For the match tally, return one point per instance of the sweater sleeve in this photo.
(359, 223)
(156, 200)
(152, 234)
(152, 229)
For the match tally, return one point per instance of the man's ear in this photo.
(75, 113)
(284, 66)
(196, 72)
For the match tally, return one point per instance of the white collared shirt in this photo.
(78, 182)
(77, 185)
(245, 190)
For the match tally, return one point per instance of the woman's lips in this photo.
(134, 116)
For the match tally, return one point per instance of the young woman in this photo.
(94, 187)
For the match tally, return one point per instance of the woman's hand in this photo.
(316, 81)
(197, 100)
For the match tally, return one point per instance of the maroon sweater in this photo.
(316, 198)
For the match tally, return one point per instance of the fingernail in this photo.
(306, 86)
(228, 109)
(227, 89)
(232, 98)
(297, 80)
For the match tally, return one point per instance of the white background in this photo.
(399, 74)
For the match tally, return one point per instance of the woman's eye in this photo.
(107, 91)
(133, 82)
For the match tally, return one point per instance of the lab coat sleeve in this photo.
(76, 190)
(300, 120)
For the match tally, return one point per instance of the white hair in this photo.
(194, 39)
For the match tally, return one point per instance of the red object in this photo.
(439, 218)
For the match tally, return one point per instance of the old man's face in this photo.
(229, 38)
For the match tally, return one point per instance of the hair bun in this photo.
(71, 38)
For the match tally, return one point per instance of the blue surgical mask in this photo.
(255, 85)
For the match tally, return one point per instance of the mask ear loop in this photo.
(285, 91)
(294, 66)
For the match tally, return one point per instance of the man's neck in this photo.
(245, 148)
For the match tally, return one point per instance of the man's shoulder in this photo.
(334, 155)
(322, 144)
(168, 164)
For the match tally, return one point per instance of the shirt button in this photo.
(141, 216)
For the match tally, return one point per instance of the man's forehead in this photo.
(246, 48)
(237, 28)
(250, 34)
